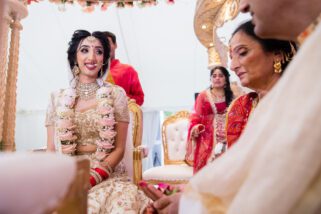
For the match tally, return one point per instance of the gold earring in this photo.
(277, 66)
(101, 72)
(75, 70)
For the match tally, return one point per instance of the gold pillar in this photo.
(213, 57)
(4, 25)
(10, 101)
(209, 16)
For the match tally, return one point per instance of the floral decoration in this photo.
(105, 123)
(169, 189)
(65, 123)
(89, 5)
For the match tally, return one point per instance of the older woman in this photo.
(259, 63)
(90, 118)
(206, 133)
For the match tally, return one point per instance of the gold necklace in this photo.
(86, 91)
(217, 98)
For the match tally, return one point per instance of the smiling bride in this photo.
(90, 118)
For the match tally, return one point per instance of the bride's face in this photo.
(90, 56)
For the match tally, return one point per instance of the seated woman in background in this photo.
(90, 118)
(206, 133)
(259, 64)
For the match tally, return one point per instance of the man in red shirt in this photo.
(123, 75)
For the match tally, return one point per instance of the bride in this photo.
(90, 118)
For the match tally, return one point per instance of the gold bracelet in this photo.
(105, 165)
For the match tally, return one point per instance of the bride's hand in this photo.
(197, 129)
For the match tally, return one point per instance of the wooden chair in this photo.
(174, 137)
(134, 152)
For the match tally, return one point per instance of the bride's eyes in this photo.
(99, 52)
(84, 50)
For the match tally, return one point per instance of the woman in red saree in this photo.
(259, 64)
(206, 132)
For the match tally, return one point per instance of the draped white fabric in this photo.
(30, 132)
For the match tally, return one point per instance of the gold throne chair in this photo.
(174, 138)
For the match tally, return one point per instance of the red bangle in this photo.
(92, 181)
(102, 173)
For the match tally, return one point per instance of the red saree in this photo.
(238, 115)
(210, 114)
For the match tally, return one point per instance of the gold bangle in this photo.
(105, 165)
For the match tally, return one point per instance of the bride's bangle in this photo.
(97, 175)
(105, 165)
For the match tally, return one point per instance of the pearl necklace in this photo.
(86, 91)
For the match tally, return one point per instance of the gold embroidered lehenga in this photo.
(117, 194)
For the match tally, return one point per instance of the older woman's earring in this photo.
(277, 66)
(75, 70)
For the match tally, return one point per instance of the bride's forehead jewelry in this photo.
(91, 39)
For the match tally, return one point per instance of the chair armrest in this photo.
(42, 149)
(139, 153)
(143, 150)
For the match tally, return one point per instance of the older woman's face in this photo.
(90, 56)
(249, 61)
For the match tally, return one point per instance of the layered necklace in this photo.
(86, 91)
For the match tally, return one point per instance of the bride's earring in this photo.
(101, 72)
(75, 70)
